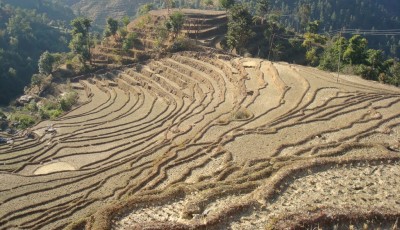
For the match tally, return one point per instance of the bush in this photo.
(68, 101)
(24, 120)
(181, 44)
(50, 110)
(129, 41)
(367, 72)
(37, 79)
(32, 107)
(49, 113)
(241, 114)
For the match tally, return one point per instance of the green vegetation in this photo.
(226, 4)
(175, 22)
(23, 120)
(144, 9)
(45, 64)
(33, 112)
(111, 27)
(68, 100)
(80, 43)
(24, 36)
(239, 28)
(58, 13)
(357, 58)
(50, 110)
(333, 15)
(129, 41)
(53, 109)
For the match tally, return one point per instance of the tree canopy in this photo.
(226, 4)
(175, 22)
(239, 28)
(111, 27)
(24, 36)
(80, 43)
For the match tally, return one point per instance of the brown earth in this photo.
(209, 141)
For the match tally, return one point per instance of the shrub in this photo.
(37, 79)
(181, 44)
(49, 113)
(129, 41)
(24, 120)
(367, 72)
(241, 114)
(68, 101)
(50, 110)
(32, 107)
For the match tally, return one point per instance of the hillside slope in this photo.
(208, 141)
(99, 10)
(334, 15)
(26, 31)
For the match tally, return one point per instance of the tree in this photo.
(45, 64)
(239, 27)
(125, 21)
(80, 42)
(226, 4)
(394, 74)
(330, 57)
(313, 27)
(375, 58)
(122, 33)
(37, 79)
(175, 22)
(144, 9)
(313, 42)
(78, 46)
(80, 25)
(111, 27)
(129, 41)
(304, 13)
(162, 35)
(312, 56)
(262, 8)
(356, 51)
(262, 11)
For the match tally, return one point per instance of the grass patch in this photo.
(241, 114)
(23, 120)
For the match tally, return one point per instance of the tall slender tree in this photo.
(80, 42)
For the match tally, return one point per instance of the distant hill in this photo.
(333, 14)
(336, 14)
(99, 10)
(51, 8)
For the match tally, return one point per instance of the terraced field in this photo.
(204, 28)
(209, 141)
